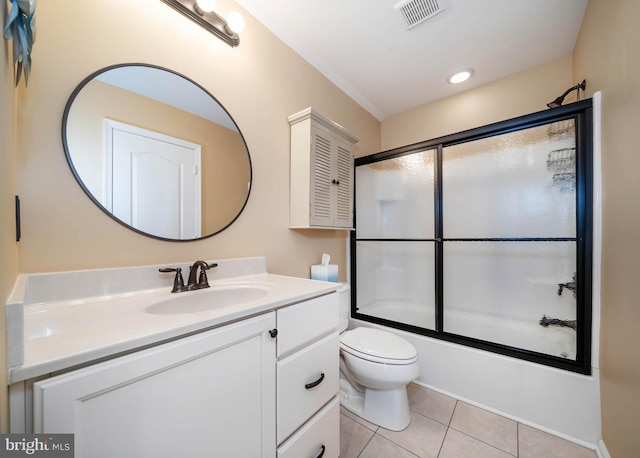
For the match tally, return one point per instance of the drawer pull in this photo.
(308, 386)
(321, 452)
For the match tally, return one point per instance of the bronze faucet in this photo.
(202, 282)
(192, 283)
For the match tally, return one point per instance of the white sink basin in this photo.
(208, 299)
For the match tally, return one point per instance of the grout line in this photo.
(365, 445)
(360, 421)
(394, 443)
(413, 412)
(442, 444)
(480, 440)
(453, 412)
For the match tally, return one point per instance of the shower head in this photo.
(558, 101)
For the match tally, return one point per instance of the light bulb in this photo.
(235, 21)
(206, 5)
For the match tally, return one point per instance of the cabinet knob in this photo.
(308, 386)
(334, 181)
(273, 333)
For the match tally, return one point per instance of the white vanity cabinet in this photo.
(211, 394)
(259, 382)
(308, 423)
(321, 180)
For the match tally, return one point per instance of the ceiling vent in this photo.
(415, 12)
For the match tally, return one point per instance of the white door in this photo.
(153, 181)
(208, 395)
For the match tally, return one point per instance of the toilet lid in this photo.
(377, 343)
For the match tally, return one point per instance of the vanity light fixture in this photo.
(461, 76)
(558, 101)
(201, 12)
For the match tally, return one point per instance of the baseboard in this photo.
(601, 450)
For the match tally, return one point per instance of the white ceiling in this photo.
(364, 47)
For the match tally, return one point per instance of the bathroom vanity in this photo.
(247, 367)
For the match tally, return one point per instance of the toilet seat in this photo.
(378, 346)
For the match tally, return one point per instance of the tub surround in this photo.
(60, 320)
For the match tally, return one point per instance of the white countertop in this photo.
(63, 334)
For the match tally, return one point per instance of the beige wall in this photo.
(606, 54)
(260, 82)
(8, 247)
(520, 94)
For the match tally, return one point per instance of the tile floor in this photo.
(444, 427)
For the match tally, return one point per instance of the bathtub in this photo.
(563, 403)
(528, 335)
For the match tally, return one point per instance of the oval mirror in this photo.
(156, 152)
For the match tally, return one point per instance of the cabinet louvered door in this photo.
(344, 197)
(321, 175)
(321, 186)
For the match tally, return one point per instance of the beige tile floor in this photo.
(444, 427)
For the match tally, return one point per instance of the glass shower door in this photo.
(395, 245)
(483, 238)
(509, 239)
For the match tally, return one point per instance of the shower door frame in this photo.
(582, 113)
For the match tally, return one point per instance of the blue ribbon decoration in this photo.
(19, 26)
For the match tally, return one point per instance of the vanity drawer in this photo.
(306, 381)
(318, 435)
(303, 323)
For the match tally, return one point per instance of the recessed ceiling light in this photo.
(460, 76)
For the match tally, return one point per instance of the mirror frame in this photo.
(65, 144)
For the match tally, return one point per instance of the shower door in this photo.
(483, 238)
(509, 238)
(395, 249)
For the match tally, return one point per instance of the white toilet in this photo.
(375, 369)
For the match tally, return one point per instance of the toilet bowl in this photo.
(375, 368)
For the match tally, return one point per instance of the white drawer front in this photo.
(303, 323)
(320, 436)
(297, 400)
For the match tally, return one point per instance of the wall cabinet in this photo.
(321, 180)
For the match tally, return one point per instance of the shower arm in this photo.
(558, 101)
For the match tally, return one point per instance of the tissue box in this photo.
(324, 273)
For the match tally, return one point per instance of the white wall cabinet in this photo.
(211, 394)
(321, 180)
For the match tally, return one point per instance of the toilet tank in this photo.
(344, 295)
